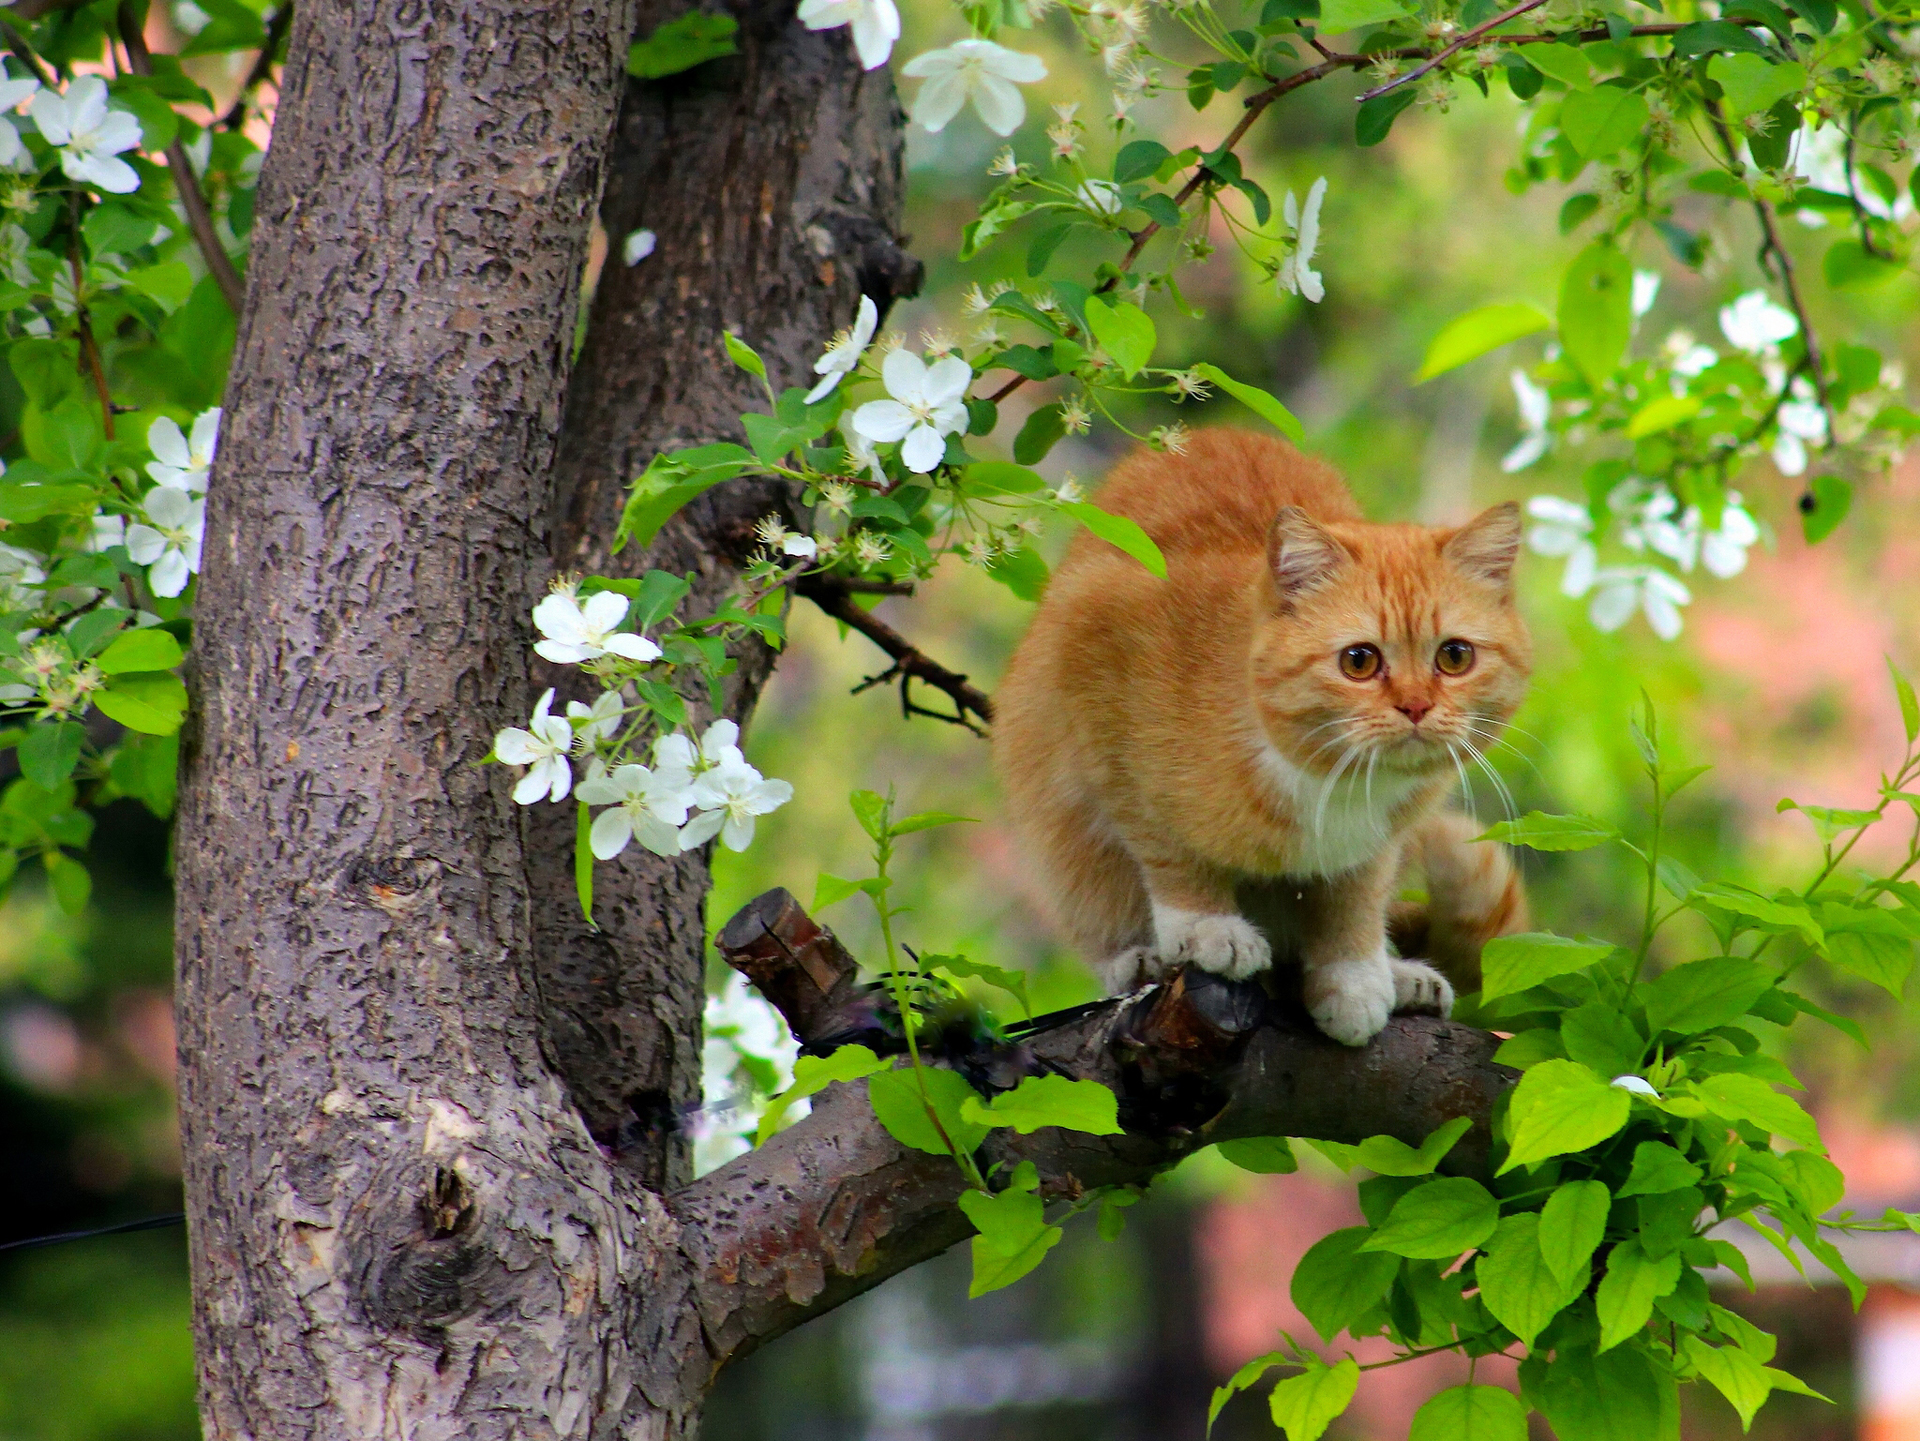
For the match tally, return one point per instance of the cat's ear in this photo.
(1487, 546)
(1302, 553)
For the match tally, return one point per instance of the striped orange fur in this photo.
(1178, 754)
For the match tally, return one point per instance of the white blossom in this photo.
(719, 746)
(645, 805)
(88, 135)
(1688, 357)
(743, 1033)
(844, 351)
(1565, 529)
(1646, 289)
(1621, 590)
(1799, 421)
(12, 92)
(169, 542)
(1638, 1085)
(876, 25)
(1753, 323)
(597, 722)
(180, 460)
(1102, 197)
(925, 406)
(804, 546)
(1536, 408)
(576, 633)
(638, 245)
(976, 70)
(542, 746)
(1297, 277)
(730, 797)
(1724, 551)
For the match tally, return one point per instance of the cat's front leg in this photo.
(1195, 923)
(1352, 984)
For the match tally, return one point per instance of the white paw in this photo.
(1418, 987)
(1226, 945)
(1351, 1000)
(1129, 970)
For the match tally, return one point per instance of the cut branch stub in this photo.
(809, 977)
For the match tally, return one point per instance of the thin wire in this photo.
(148, 1223)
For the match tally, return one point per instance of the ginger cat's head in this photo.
(1396, 646)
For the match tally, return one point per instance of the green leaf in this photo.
(149, 649)
(1627, 1292)
(1336, 1281)
(583, 861)
(1849, 265)
(1701, 995)
(230, 26)
(743, 355)
(1437, 1221)
(72, 885)
(1561, 1106)
(1789, 914)
(1615, 1396)
(1572, 1224)
(1518, 963)
(1262, 1155)
(1753, 83)
(1477, 332)
(1734, 1374)
(1599, 121)
(1748, 1098)
(1601, 1037)
(1517, 1284)
(1470, 1413)
(1048, 1101)
(1124, 332)
(1565, 63)
(1662, 413)
(830, 890)
(113, 229)
(1337, 17)
(1596, 308)
(1703, 37)
(1304, 1406)
(1014, 1234)
(997, 477)
(1258, 401)
(680, 44)
(1541, 832)
(147, 768)
(50, 751)
(1120, 531)
(28, 503)
(1832, 499)
(153, 702)
(897, 1100)
(1657, 1168)
(1139, 159)
(813, 1074)
(1870, 942)
(168, 284)
(1021, 571)
(1014, 983)
(1240, 1380)
(1373, 121)
(1909, 707)
(1530, 1048)
(672, 480)
(870, 808)
(1390, 1156)
(928, 820)
(1039, 434)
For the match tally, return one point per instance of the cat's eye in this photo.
(1455, 657)
(1360, 662)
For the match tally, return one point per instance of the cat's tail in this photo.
(1473, 895)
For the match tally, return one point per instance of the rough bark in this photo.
(773, 181)
(399, 1225)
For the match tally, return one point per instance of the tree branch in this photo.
(835, 597)
(833, 1206)
(262, 66)
(192, 202)
(1454, 48)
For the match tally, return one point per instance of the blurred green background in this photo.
(1778, 681)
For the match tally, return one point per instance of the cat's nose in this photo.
(1413, 710)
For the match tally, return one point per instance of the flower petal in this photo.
(946, 380)
(923, 449)
(633, 647)
(701, 829)
(611, 831)
(883, 420)
(939, 99)
(1000, 104)
(559, 616)
(604, 610)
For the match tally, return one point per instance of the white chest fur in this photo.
(1339, 825)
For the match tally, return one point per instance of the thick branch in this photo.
(834, 1206)
(835, 597)
(192, 203)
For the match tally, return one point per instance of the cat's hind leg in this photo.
(1095, 892)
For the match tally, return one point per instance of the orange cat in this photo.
(1272, 728)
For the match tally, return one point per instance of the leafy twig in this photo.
(835, 597)
(192, 202)
(262, 67)
(1452, 49)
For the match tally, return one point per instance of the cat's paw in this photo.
(1350, 1001)
(1129, 970)
(1419, 988)
(1226, 945)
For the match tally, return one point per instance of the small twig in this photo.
(83, 323)
(1453, 49)
(1771, 245)
(859, 585)
(17, 43)
(192, 202)
(835, 598)
(262, 67)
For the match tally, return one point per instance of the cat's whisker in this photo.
(1499, 785)
(1502, 742)
(1466, 786)
(1373, 759)
(1326, 791)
